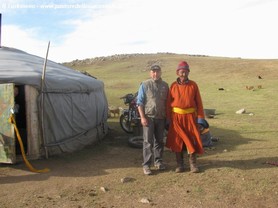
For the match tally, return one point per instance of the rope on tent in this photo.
(31, 168)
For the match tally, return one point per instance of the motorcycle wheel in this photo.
(136, 142)
(125, 124)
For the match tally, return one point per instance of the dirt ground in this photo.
(110, 175)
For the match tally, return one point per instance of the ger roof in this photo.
(19, 67)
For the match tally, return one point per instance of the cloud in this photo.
(23, 39)
(216, 28)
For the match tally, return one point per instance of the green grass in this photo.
(124, 75)
(236, 172)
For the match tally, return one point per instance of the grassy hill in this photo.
(123, 74)
(248, 141)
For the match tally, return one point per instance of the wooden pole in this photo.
(42, 101)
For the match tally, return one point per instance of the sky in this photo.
(80, 29)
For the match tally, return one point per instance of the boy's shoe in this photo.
(160, 166)
(147, 170)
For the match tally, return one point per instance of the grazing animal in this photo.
(250, 87)
(259, 77)
(114, 111)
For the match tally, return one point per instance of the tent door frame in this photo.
(34, 138)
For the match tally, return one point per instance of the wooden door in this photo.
(7, 136)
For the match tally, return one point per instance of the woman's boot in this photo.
(180, 163)
(192, 162)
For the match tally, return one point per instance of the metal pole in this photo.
(42, 101)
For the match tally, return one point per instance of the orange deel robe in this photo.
(183, 128)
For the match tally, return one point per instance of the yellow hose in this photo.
(31, 168)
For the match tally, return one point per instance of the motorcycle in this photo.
(129, 117)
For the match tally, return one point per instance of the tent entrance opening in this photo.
(20, 116)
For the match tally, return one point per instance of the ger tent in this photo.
(68, 114)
